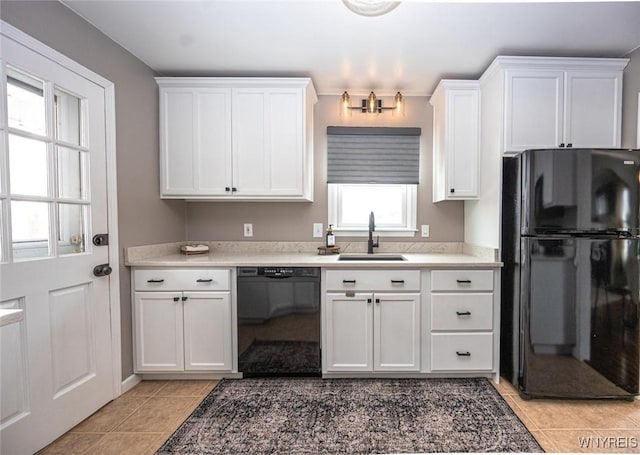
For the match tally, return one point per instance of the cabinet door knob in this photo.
(368, 300)
(226, 188)
(452, 190)
(176, 299)
(234, 189)
(377, 300)
(562, 145)
(569, 144)
(184, 299)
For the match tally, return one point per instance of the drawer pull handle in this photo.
(202, 280)
(349, 281)
(463, 313)
(464, 281)
(397, 281)
(155, 281)
(463, 354)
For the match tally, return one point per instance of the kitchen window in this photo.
(394, 206)
(373, 169)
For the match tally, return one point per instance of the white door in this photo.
(53, 200)
(158, 323)
(207, 331)
(396, 332)
(592, 108)
(349, 332)
(533, 109)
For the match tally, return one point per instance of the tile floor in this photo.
(139, 421)
(560, 425)
(136, 423)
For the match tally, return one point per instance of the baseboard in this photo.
(131, 382)
(190, 376)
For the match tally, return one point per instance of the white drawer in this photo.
(461, 312)
(462, 352)
(182, 279)
(462, 280)
(373, 280)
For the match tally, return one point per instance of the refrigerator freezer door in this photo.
(581, 191)
(580, 324)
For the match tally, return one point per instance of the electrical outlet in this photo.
(318, 230)
(425, 230)
(248, 230)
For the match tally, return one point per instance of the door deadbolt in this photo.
(100, 239)
(102, 270)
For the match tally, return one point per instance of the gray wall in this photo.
(143, 217)
(631, 88)
(294, 220)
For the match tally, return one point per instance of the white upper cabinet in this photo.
(561, 102)
(236, 138)
(533, 105)
(456, 140)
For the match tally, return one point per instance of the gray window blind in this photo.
(373, 155)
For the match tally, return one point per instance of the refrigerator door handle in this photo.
(525, 307)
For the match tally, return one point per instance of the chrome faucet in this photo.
(372, 227)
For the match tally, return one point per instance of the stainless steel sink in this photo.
(371, 257)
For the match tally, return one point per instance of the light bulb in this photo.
(345, 104)
(399, 104)
(372, 104)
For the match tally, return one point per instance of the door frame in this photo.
(31, 43)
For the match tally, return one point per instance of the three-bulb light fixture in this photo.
(371, 104)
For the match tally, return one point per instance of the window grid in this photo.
(56, 244)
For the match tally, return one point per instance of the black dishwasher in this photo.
(279, 321)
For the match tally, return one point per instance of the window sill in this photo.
(382, 232)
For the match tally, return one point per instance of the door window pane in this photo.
(72, 228)
(71, 172)
(28, 166)
(68, 117)
(30, 229)
(25, 103)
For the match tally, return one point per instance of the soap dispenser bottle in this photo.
(331, 237)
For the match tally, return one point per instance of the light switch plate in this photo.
(318, 230)
(425, 230)
(248, 230)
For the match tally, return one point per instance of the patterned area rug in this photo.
(281, 356)
(362, 416)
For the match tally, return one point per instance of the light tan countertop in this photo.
(292, 259)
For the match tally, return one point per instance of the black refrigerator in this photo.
(570, 284)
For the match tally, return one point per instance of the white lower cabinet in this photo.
(190, 331)
(463, 321)
(373, 331)
(349, 332)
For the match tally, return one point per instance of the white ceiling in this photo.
(410, 49)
